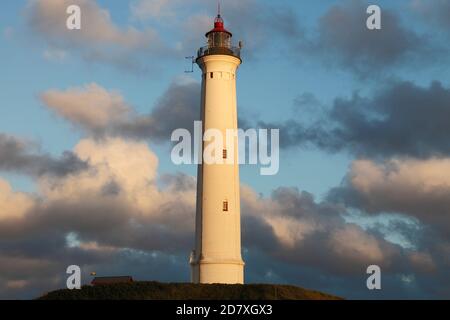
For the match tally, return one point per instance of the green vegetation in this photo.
(187, 291)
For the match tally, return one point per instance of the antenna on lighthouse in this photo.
(191, 68)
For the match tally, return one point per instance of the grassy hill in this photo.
(143, 290)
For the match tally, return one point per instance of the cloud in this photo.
(78, 203)
(21, 156)
(129, 47)
(313, 234)
(436, 13)
(117, 215)
(101, 112)
(352, 240)
(417, 188)
(402, 119)
(102, 40)
(343, 39)
(48, 18)
(13, 204)
(91, 107)
(76, 219)
(388, 123)
(266, 21)
(98, 40)
(178, 107)
(120, 209)
(293, 229)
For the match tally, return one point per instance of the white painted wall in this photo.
(217, 257)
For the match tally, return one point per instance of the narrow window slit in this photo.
(225, 206)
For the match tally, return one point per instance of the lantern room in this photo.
(219, 37)
(219, 41)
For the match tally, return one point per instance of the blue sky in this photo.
(36, 75)
(282, 79)
(337, 152)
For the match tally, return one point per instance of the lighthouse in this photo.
(217, 254)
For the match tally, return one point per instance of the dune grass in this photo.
(150, 290)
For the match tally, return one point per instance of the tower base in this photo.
(226, 272)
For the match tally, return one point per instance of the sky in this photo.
(86, 116)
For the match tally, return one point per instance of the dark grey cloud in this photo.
(179, 181)
(50, 276)
(343, 39)
(259, 25)
(102, 113)
(120, 240)
(408, 187)
(434, 12)
(426, 230)
(402, 119)
(266, 270)
(178, 107)
(315, 261)
(21, 156)
(318, 224)
(108, 234)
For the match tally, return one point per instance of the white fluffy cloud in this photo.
(351, 242)
(116, 208)
(127, 168)
(92, 106)
(314, 234)
(420, 176)
(92, 216)
(101, 112)
(13, 205)
(100, 39)
(49, 19)
(416, 187)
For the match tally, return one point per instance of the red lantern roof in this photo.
(219, 26)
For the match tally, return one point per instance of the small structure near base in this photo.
(98, 281)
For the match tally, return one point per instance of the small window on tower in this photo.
(224, 153)
(225, 205)
(211, 74)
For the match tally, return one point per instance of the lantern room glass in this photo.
(219, 40)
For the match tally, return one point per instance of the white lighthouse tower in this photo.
(217, 255)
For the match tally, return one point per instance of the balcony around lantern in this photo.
(226, 50)
(219, 42)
